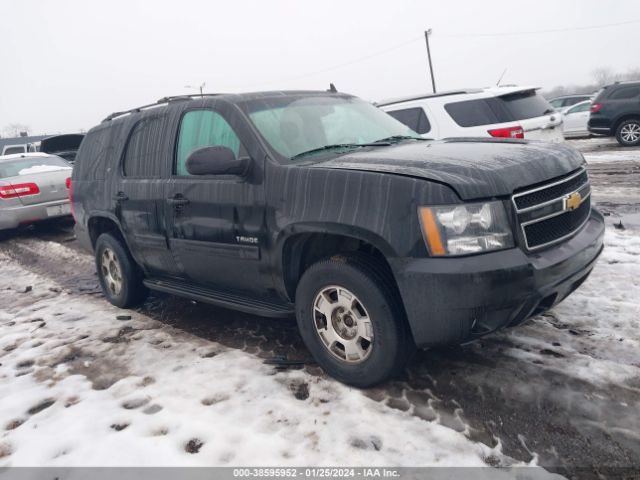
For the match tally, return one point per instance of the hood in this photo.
(61, 143)
(473, 167)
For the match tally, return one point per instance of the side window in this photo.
(143, 154)
(557, 103)
(203, 128)
(414, 118)
(624, 93)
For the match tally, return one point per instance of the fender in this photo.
(302, 228)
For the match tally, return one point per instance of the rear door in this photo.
(216, 223)
(576, 118)
(139, 197)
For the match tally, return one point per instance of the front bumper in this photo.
(454, 300)
(13, 217)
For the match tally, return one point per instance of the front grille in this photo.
(543, 214)
(536, 197)
(558, 227)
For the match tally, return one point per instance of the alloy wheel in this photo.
(111, 271)
(630, 133)
(343, 324)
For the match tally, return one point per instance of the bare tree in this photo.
(632, 74)
(16, 130)
(603, 76)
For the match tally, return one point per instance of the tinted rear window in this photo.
(414, 118)
(29, 166)
(523, 105)
(506, 108)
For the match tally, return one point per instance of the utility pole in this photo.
(433, 81)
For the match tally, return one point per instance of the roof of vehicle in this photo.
(624, 83)
(570, 107)
(15, 156)
(480, 92)
(230, 97)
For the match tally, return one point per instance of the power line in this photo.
(535, 32)
(454, 35)
(351, 62)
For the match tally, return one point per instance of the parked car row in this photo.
(64, 146)
(613, 111)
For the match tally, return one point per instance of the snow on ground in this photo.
(79, 387)
(607, 306)
(609, 156)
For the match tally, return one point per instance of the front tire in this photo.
(628, 133)
(351, 320)
(119, 276)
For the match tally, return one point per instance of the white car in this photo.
(565, 102)
(511, 112)
(576, 119)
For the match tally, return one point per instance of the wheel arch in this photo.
(623, 118)
(104, 223)
(302, 245)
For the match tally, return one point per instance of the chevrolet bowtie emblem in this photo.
(573, 201)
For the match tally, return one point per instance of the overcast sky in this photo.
(65, 65)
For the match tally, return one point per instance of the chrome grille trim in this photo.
(544, 187)
(584, 187)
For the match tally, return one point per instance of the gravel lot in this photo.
(562, 391)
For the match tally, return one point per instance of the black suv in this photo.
(319, 204)
(616, 112)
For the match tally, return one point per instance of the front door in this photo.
(215, 222)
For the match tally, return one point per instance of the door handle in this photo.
(177, 201)
(120, 197)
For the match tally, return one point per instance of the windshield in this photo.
(295, 125)
(27, 166)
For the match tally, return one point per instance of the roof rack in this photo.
(427, 95)
(162, 101)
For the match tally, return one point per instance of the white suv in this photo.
(511, 112)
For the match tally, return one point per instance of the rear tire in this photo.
(362, 337)
(628, 133)
(119, 275)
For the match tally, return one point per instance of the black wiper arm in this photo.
(380, 143)
(397, 138)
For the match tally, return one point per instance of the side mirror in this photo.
(216, 160)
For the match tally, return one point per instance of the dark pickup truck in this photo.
(319, 204)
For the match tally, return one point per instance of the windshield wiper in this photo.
(397, 138)
(379, 143)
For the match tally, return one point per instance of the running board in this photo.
(233, 301)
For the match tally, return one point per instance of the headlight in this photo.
(465, 229)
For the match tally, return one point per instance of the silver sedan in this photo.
(33, 187)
